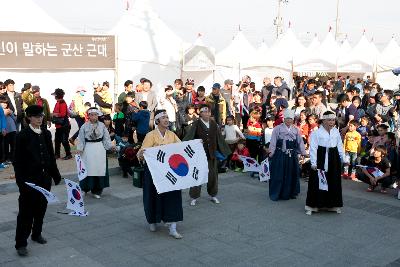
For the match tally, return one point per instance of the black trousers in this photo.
(32, 208)
(61, 137)
(385, 182)
(9, 146)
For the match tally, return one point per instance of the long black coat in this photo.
(18, 105)
(34, 160)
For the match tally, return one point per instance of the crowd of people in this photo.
(337, 128)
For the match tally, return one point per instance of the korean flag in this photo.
(74, 197)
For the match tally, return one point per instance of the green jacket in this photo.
(222, 145)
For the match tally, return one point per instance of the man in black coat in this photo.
(267, 90)
(34, 163)
(15, 101)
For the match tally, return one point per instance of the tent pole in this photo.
(116, 71)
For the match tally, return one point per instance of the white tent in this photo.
(321, 58)
(26, 16)
(314, 43)
(344, 47)
(388, 60)
(146, 47)
(360, 59)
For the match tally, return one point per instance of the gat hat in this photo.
(34, 110)
(288, 114)
(58, 92)
(229, 81)
(35, 89)
(216, 86)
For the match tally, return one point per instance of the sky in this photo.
(219, 20)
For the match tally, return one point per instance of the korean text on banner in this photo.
(177, 166)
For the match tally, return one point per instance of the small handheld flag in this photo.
(50, 197)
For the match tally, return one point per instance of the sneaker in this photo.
(337, 210)
(215, 200)
(152, 227)
(96, 196)
(175, 234)
(308, 212)
(2, 166)
(39, 240)
(23, 252)
(193, 202)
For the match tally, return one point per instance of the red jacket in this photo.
(60, 111)
(244, 152)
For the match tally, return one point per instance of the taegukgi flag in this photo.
(177, 166)
(80, 167)
(250, 164)
(264, 172)
(74, 198)
(50, 197)
(323, 182)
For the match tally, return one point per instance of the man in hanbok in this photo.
(326, 156)
(285, 146)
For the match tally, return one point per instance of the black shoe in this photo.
(23, 252)
(40, 240)
(67, 157)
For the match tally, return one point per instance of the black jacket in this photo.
(18, 105)
(34, 160)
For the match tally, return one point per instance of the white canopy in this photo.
(146, 46)
(26, 16)
(314, 43)
(360, 59)
(388, 60)
(344, 48)
(321, 58)
(238, 54)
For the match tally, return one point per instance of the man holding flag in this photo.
(34, 163)
(208, 131)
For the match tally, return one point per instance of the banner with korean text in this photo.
(29, 50)
(177, 166)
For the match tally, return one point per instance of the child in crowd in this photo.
(200, 96)
(312, 125)
(304, 127)
(141, 119)
(352, 148)
(241, 150)
(232, 132)
(119, 120)
(109, 127)
(127, 155)
(364, 129)
(378, 160)
(253, 136)
(189, 118)
(268, 127)
(381, 139)
(10, 136)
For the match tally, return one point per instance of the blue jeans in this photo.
(352, 157)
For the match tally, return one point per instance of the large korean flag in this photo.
(177, 166)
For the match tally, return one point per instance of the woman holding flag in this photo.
(94, 140)
(285, 146)
(326, 156)
(166, 207)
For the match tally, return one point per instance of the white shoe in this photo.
(193, 202)
(96, 196)
(215, 200)
(153, 227)
(308, 212)
(175, 234)
(337, 210)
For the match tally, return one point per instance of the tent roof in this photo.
(26, 16)
(345, 47)
(314, 43)
(390, 56)
(320, 58)
(238, 52)
(144, 37)
(359, 59)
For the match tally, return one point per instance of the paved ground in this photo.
(246, 229)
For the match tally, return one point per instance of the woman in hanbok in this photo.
(326, 156)
(166, 207)
(94, 141)
(285, 146)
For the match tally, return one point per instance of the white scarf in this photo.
(37, 131)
